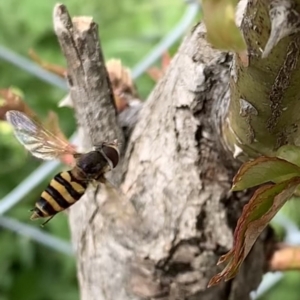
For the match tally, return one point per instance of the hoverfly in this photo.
(66, 187)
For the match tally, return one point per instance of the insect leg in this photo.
(42, 225)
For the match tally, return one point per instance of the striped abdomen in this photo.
(63, 191)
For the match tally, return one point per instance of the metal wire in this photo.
(31, 68)
(39, 175)
(168, 41)
(38, 235)
(35, 178)
(179, 29)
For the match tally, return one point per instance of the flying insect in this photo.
(67, 187)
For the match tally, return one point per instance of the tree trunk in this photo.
(177, 213)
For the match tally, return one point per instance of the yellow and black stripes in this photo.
(78, 186)
(63, 190)
(72, 188)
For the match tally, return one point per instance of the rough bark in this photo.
(172, 174)
(87, 77)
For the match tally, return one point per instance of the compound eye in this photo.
(111, 154)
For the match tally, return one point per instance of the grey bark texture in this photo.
(162, 236)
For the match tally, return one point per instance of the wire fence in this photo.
(292, 236)
(42, 172)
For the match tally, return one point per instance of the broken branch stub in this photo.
(89, 84)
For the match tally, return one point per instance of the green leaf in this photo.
(219, 19)
(264, 169)
(290, 153)
(256, 215)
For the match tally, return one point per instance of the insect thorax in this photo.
(92, 164)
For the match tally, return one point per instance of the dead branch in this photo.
(89, 85)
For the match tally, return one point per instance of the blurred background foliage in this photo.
(129, 29)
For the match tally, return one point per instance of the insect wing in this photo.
(37, 139)
(117, 208)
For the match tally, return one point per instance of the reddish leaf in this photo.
(11, 99)
(262, 170)
(122, 83)
(120, 78)
(262, 207)
(56, 69)
(165, 60)
(156, 73)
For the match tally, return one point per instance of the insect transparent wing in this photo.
(117, 209)
(37, 139)
(120, 216)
